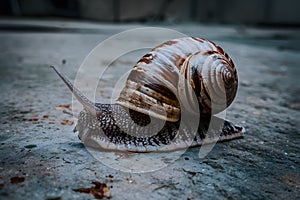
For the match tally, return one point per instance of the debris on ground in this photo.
(99, 191)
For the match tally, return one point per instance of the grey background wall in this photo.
(284, 12)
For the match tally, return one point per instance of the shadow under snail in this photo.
(186, 71)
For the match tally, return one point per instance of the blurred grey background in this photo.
(257, 12)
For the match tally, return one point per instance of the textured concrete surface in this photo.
(41, 158)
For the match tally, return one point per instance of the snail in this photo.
(186, 72)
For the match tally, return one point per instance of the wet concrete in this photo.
(41, 158)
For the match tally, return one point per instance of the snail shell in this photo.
(157, 78)
(159, 85)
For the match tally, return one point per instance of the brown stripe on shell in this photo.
(146, 77)
(168, 43)
(163, 90)
(213, 46)
(198, 39)
(229, 60)
(208, 53)
(220, 50)
(179, 61)
(205, 104)
(147, 58)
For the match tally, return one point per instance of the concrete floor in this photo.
(49, 160)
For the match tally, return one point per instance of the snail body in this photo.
(186, 73)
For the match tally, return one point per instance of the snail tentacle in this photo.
(87, 104)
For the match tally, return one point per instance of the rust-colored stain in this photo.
(45, 116)
(99, 191)
(63, 107)
(66, 122)
(33, 119)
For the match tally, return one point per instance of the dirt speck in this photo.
(33, 119)
(15, 180)
(99, 191)
(46, 116)
(30, 146)
(63, 107)
(66, 122)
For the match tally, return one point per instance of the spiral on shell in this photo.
(157, 84)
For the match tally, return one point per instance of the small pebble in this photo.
(256, 113)
(261, 142)
(55, 194)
